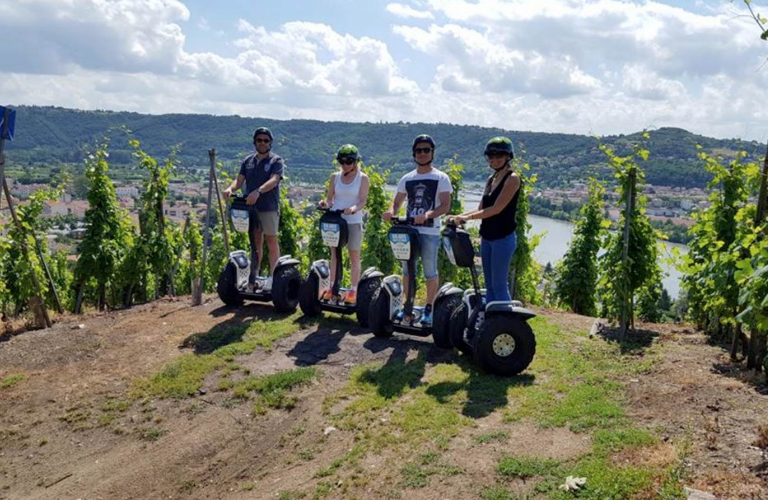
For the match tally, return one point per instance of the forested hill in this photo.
(47, 135)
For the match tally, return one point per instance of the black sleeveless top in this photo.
(503, 223)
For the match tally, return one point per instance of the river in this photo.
(557, 236)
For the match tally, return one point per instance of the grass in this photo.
(291, 495)
(272, 390)
(215, 350)
(150, 434)
(407, 405)
(11, 380)
(350, 457)
(492, 436)
(496, 493)
(525, 467)
(416, 474)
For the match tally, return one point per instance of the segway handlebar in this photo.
(404, 221)
(452, 223)
(328, 210)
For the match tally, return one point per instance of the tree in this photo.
(710, 265)
(376, 250)
(20, 261)
(155, 249)
(525, 273)
(630, 262)
(108, 234)
(80, 186)
(447, 271)
(576, 282)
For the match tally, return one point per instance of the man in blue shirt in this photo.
(261, 173)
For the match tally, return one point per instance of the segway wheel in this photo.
(458, 324)
(442, 320)
(308, 299)
(364, 297)
(378, 316)
(227, 286)
(505, 345)
(286, 283)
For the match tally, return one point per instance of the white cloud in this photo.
(52, 36)
(406, 11)
(475, 63)
(582, 66)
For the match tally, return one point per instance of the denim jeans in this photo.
(430, 243)
(497, 256)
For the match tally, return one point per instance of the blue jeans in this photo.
(429, 246)
(497, 256)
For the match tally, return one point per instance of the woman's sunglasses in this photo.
(496, 155)
(347, 161)
(422, 150)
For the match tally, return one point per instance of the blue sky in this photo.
(580, 66)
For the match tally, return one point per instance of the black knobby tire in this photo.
(378, 315)
(524, 345)
(308, 298)
(227, 286)
(286, 283)
(365, 293)
(442, 320)
(456, 328)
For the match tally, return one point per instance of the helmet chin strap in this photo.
(506, 164)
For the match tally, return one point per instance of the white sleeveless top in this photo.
(347, 195)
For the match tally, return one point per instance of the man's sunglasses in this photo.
(262, 141)
(422, 150)
(347, 161)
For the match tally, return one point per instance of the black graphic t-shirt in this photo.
(423, 192)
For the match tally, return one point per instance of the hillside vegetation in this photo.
(54, 136)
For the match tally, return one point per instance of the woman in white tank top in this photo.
(348, 191)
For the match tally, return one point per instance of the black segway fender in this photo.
(507, 308)
(286, 283)
(286, 260)
(446, 290)
(369, 283)
(371, 272)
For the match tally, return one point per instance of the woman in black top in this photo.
(497, 210)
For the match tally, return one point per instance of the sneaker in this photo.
(399, 315)
(326, 295)
(351, 297)
(426, 319)
(267, 285)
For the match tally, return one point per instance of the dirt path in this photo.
(55, 443)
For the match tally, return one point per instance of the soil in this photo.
(52, 445)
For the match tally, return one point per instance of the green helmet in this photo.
(500, 144)
(348, 151)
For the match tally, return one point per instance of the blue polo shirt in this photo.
(256, 173)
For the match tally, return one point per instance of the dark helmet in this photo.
(423, 138)
(500, 144)
(348, 151)
(263, 130)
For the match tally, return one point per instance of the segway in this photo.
(388, 301)
(233, 287)
(496, 335)
(333, 229)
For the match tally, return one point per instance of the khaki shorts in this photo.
(355, 238)
(269, 222)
